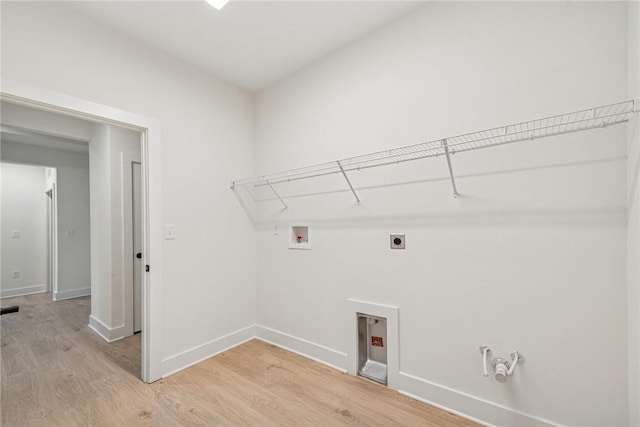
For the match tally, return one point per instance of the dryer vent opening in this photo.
(372, 347)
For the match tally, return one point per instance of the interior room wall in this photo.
(111, 298)
(207, 140)
(124, 144)
(100, 207)
(530, 257)
(633, 227)
(23, 210)
(73, 211)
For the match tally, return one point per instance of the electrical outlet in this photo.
(169, 232)
(397, 240)
(15, 234)
(16, 274)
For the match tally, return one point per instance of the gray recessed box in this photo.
(372, 347)
(397, 240)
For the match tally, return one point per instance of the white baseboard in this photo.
(17, 292)
(319, 353)
(71, 293)
(107, 333)
(471, 407)
(197, 354)
(468, 406)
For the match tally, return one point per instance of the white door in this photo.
(136, 180)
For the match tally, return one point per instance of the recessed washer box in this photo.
(372, 347)
(299, 235)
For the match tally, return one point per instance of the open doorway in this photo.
(152, 223)
(130, 169)
(66, 243)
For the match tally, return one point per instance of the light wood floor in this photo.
(56, 371)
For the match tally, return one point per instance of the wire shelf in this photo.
(576, 121)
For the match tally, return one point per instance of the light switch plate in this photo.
(397, 240)
(169, 232)
(15, 234)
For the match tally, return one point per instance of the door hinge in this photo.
(146, 268)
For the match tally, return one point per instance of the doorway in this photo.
(151, 200)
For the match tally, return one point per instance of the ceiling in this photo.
(252, 44)
(31, 137)
(26, 125)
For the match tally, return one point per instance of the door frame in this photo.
(52, 239)
(128, 254)
(151, 158)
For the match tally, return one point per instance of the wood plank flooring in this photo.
(57, 372)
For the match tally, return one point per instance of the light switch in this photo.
(15, 234)
(69, 233)
(169, 232)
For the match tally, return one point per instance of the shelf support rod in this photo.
(276, 193)
(453, 181)
(348, 182)
(242, 203)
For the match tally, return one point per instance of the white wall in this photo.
(530, 257)
(124, 144)
(101, 235)
(539, 224)
(633, 225)
(207, 137)
(109, 237)
(73, 211)
(23, 210)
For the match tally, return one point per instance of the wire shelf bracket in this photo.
(576, 121)
(453, 180)
(276, 193)
(348, 182)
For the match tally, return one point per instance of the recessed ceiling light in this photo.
(218, 4)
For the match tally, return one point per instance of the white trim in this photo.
(35, 97)
(475, 408)
(197, 354)
(107, 333)
(393, 331)
(126, 217)
(444, 408)
(18, 292)
(319, 353)
(53, 234)
(71, 293)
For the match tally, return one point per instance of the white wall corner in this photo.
(107, 333)
(72, 293)
(319, 353)
(183, 360)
